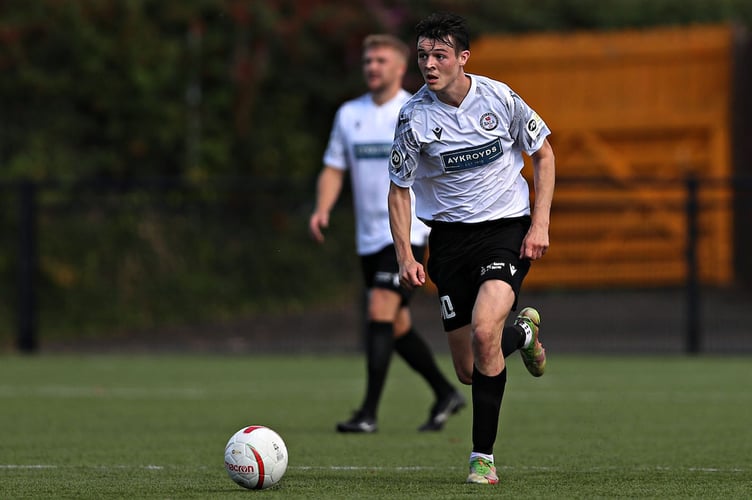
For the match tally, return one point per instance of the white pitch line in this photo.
(27, 466)
(413, 468)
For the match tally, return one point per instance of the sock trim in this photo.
(528, 333)
(475, 454)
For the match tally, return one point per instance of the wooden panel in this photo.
(627, 107)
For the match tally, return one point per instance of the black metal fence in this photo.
(115, 259)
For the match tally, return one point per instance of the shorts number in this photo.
(447, 309)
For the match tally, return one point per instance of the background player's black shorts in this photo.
(462, 256)
(381, 270)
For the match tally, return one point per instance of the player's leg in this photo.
(417, 354)
(458, 261)
(461, 349)
(379, 344)
(493, 303)
(504, 243)
(382, 306)
(482, 469)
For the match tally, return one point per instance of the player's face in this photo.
(383, 68)
(440, 65)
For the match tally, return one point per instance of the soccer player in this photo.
(360, 142)
(459, 144)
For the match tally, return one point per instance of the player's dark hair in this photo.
(447, 28)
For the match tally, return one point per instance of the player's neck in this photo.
(384, 96)
(455, 94)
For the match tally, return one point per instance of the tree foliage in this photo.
(116, 88)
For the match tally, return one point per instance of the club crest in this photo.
(489, 121)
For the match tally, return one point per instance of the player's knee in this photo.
(383, 305)
(486, 347)
(485, 337)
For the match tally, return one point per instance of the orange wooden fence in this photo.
(627, 107)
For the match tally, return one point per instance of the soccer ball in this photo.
(256, 457)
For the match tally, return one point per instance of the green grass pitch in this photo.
(106, 426)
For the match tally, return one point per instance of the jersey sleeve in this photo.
(335, 154)
(527, 128)
(403, 159)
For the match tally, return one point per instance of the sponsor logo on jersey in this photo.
(372, 151)
(477, 156)
(534, 125)
(395, 158)
(489, 121)
(437, 132)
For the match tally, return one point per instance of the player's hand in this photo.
(535, 244)
(412, 274)
(318, 222)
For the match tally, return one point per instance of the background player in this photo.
(360, 142)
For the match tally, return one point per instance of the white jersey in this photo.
(360, 141)
(464, 163)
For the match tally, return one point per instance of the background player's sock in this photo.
(416, 353)
(379, 346)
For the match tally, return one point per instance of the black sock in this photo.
(512, 338)
(487, 395)
(379, 345)
(416, 353)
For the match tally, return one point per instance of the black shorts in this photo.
(381, 270)
(462, 256)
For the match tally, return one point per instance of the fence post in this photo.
(692, 281)
(27, 267)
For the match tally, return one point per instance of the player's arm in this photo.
(536, 242)
(411, 272)
(328, 188)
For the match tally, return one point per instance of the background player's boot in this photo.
(360, 422)
(533, 354)
(440, 412)
(482, 471)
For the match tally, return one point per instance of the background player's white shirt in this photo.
(360, 141)
(464, 163)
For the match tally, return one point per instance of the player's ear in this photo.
(463, 57)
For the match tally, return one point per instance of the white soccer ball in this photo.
(256, 457)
